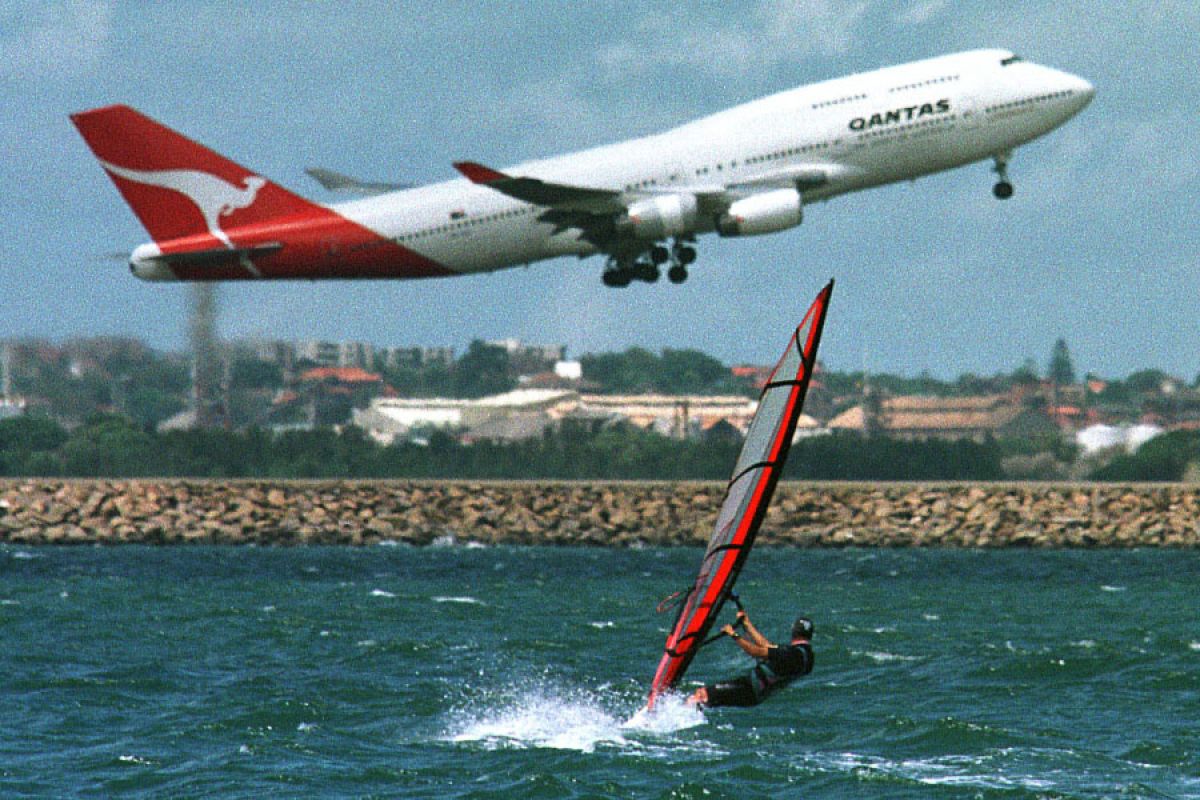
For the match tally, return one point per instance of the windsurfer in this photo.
(777, 666)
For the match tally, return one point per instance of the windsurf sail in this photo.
(746, 498)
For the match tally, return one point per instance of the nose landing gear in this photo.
(1003, 188)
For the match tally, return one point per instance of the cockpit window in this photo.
(1013, 59)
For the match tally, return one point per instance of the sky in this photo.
(1098, 247)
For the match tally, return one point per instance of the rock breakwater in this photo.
(614, 514)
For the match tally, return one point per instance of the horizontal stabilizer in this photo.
(217, 255)
(337, 182)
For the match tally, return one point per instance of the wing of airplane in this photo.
(337, 182)
(797, 176)
(593, 210)
(558, 196)
(627, 224)
(711, 198)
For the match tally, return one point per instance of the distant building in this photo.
(920, 417)
(754, 376)
(530, 358)
(185, 420)
(271, 351)
(516, 426)
(336, 354)
(1103, 437)
(347, 375)
(320, 353)
(347, 354)
(818, 401)
(517, 348)
(529, 412)
(680, 416)
(569, 370)
(807, 427)
(523, 412)
(356, 354)
(565, 375)
(10, 404)
(328, 395)
(414, 357)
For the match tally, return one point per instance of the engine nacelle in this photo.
(766, 212)
(659, 217)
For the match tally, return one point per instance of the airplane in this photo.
(641, 203)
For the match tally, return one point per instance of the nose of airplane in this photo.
(1084, 89)
(1081, 90)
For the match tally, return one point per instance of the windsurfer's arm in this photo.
(751, 648)
(752, 632)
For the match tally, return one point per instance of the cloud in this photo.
(53, 40)
(737, 44)
(559, 114)
(923, 12)
(663, 67)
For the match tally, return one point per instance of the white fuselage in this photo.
(857, 132)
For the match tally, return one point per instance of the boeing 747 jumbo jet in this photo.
(641, 203)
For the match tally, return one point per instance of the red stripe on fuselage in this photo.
(318, 244)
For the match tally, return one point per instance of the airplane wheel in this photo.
(677, 274)
(617, 278)
(1003, 190)
(659, 254)
(686, 255)
(647, 272)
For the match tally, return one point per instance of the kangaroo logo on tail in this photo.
(213, 196)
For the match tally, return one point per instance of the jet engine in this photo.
(766, 212)
(660, 217)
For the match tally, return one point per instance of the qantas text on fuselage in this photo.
(641, 203)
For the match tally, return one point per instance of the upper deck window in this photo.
(1013, 59)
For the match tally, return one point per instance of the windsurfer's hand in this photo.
(729, 631)
(741, 616)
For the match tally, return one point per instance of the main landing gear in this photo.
(1003, 189)
(624, 269)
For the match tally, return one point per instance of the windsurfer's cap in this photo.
(802, 628)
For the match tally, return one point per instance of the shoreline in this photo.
(37, 511)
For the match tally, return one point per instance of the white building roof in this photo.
(1100, 437)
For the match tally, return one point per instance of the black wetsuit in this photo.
(782, 665)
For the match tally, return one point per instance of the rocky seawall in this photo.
(611, 514)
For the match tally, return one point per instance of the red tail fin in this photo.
(177, 187)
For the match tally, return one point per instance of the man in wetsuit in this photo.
(777, 666)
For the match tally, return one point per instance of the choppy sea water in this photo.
(456, 672)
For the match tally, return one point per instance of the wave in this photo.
(546, 716)
(880, 657)
(537, 717)
(465, 599)
(968, 771)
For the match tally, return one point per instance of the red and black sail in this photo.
(746, 499)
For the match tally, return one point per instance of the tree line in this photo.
(114, 447)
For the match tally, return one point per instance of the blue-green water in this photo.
(517, 672)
